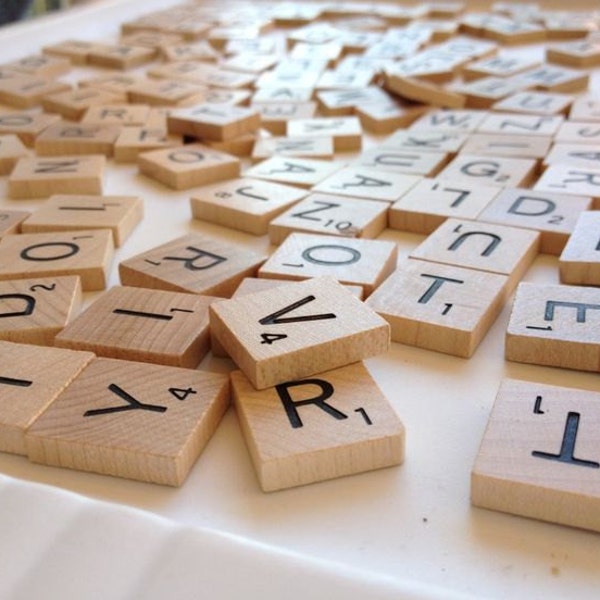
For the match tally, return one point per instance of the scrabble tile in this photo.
(28, 91)
(554, 325)
(11, 220)
(344, 80)
(538, 103)
(345, 131)
(188, 166)
(192, 263)
(519, 124)
(501, 65)
(431, 201)
(26, 126)
(385, 118)
(117, 114)
(151, 39)
(163, 92)
(369, 183)
(274, 116)
(11, 150)
(72, 139)
(350, 428)
(75, 50)
(133, 141)
(282, 93)
(86, 253)
(555, 79)
(419, 90)
(241, 146)
(249, 63)
(244, 204)
(120, 56)
(579, 262)
(209, 121)
(553, 215)
(33, 311)
(41, 65)
(74, 104)
(439, 307)
(509, 32)
(40, 177)
(330, 215)
(32, 377)
(585, 108)
(427, 164)
(547, 466)
(298, 147)
(574, 155)
(339, 103)
(120, 214)
(578, 132)
(297, 330)
(352, 261)
(490, 170)
(515, 146)
(448, 121)
(486, 92)
(139, 421)
(115, 83)
(303, 172)
(154, 326)
(482, 246)
(329, 51)
(565, 179)
(422, 140)
(196, 51)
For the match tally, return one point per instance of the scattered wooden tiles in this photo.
(31, 378)
(579, 263)
(117, 114)
(133, 141)
(274, 116)
(120, 56)
(512, 146)
(297, 330)
(303, 172)
(74, 104)
(299, 147)
(555, 325)
(537, 103)
(11, 150)
(139, 421)
(520, 124)
(346, 132)
(77, 138)
(11, 220)
(28, 91)
(192, 263)
(26, 126)
(299, 432)
(448, 121)
(566, 179)
(427, 164)
(579, 53)
(539, 455)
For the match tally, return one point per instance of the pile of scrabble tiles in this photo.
(319, 125)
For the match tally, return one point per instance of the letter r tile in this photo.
(334, 424)
(555, 325)
(540, 455)
(133, 420)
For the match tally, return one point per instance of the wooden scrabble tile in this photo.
(501, 65)
(427, 164)
(61, 212)
(151, 39)
(340, 103)
(330, 215)
(117, 114)
(26, 126)
(120, 56)
(39, 177)
(554, 325)
(553, 215)
(188, 166)
(11, 150)
(163, 92)
(115, 83)
(578, 53)
(274, 116)
(244, 204)
(249, 63)
(298, 147)
(139, 421)
(74, 104)
(585, 108)
(519, 124)
(29, 90)
(574, 155)
(439, 307)
(515, 146)
(369, 183)
(437, 122)
(241, 146)
(33, 311)
(297, 330)
(282, 93)
(65, 138)
(86, 253)
(431, 201)
(486, 92)
(537, 103)
(213, 122)
(482, 246)
(344, 80)
(510, 32)
(345, 131)
(133, 141)
(578, 132)
(546, 467)
(555, 79)
(227, 97)
(422, 140)
(418, 90)
(193, 51)
(32, 377)
(41, 65)
(303, 172)
(352, 261)
(132, 323)
(566, 179)
(385, 118)
(579, 263)
(75, 50)
(192, 263)
(11, 220)
(350, 428)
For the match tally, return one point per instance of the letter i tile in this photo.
(133, 420)
(540, 455)
(337, 423)
(555, 325)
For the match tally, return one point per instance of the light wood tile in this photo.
(579, 263)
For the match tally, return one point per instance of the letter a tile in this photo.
(555, 325)
(30, 379)
(297, 330)
(539, 456)
(133, 420)
(337, 423)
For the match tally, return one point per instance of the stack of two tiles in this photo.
(307, 405)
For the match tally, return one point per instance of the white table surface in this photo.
(405, 532)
